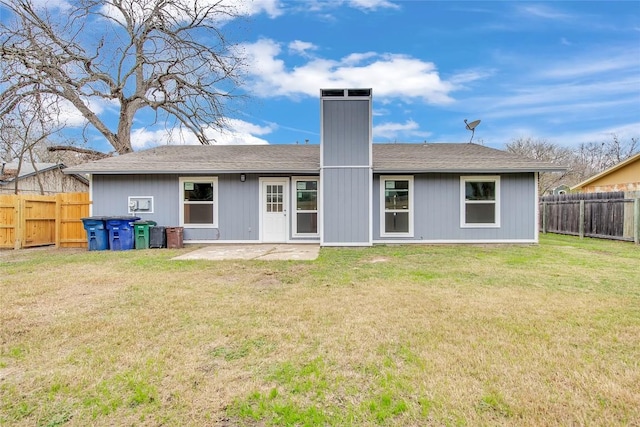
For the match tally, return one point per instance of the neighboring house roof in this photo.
(27, 169)
(387, 158)
(606, 172)
(9, 170)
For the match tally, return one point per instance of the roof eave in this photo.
(467, 170)
(194, 172)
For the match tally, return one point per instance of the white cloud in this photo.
(391, 131)
(61, 5)
(319, 6)
(226, 9)
(69, 115)
(370, 5)
(471, 75)
(298, 47)
(239, 132)
(590, 65)
(255, 7)
(543, 11)
(392, 75)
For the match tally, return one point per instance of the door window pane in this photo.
(275, 201)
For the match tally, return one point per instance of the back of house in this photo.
(346, 191)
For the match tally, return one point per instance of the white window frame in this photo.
(200, 180)
(383, 210)
(294, 205)
(464, 201)
(132, 199)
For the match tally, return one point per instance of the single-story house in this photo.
(40, 178)
(624, 176)
(346, 191)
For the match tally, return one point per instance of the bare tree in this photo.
(584, 161)
(22, 132)
(598, 156)
(540, 149)
(167, 55)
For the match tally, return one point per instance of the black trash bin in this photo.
(157, 237)
(97, 234)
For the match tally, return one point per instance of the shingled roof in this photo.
(387, 158)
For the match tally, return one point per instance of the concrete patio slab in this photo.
(268, 252)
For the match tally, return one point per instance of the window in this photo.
(396, 206)
(480, 201)
(199, 208)
(306, 206)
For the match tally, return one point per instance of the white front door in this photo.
(274, 206)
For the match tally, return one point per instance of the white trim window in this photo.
(396, 206)
(480, 201)
(199, 202)
(305, 218)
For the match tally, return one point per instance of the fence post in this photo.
(636, 221)
(581, 225)
(18, 222)
(544, 217)
(58, 219)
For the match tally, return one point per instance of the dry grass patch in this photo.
(428, 335)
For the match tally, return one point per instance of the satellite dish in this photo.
(472, 127)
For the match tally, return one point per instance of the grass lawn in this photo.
(389, 335)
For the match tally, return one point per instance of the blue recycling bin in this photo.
(121, 232)
(97, 234)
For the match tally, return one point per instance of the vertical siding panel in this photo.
(437, 209)
(346, 183)
(346, 129)
(110, 194)
(239, 208)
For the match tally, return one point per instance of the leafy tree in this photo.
(166, 55)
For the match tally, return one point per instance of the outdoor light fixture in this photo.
(243, 177)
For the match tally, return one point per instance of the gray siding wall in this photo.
(110, 196)
(346, 205)
(345, 132)
(239, 208)
(437, 209)
(238, 203)
(346, 171)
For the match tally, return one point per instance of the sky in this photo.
(567, 72)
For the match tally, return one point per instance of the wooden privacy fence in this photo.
(601, 215)
(30, 220)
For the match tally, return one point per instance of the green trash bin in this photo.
(141, 232)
